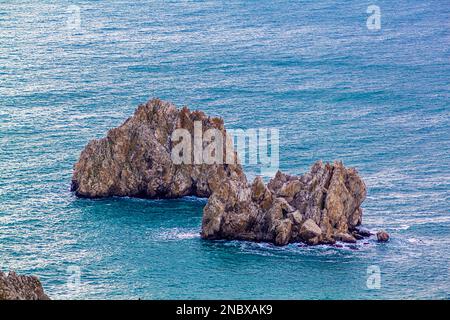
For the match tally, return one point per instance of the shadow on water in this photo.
(144, 210)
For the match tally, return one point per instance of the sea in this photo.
(364, 82)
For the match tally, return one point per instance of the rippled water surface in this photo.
(378, 100)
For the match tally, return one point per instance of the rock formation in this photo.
(17, 287)
(135, 159)
(322, 206)
(382, 236)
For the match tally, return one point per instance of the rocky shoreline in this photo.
(136, 160)
(20, 287)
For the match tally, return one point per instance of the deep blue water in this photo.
(378, 100)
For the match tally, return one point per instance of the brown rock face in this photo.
(324, 207)
(16, 287)
(321, 206)
(135, 159)
(310, 231)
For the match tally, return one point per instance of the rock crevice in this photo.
(321, 206)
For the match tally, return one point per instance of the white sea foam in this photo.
(176, 234)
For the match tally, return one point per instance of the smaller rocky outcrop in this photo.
(20, 287)
(382, 236)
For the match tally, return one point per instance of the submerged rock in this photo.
(363, 232)
(321, 206)
(382, 236)
(18, 287)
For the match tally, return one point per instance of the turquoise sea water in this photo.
(378, 100)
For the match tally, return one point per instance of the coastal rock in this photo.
(324, 209)
(135, 159)
(382, 236)
(364, 232)
(345, 237)
(357, 236)
(321, 206)
(19, 287)
(283, 232)
(309, 230)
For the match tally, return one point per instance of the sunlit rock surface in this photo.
(19, 287)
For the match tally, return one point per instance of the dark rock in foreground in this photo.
(321, 206)
(17, 287)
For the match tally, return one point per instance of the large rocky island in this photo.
(134, 160)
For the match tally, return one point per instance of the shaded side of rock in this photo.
(19, 287)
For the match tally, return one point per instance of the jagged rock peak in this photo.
(135, 158)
